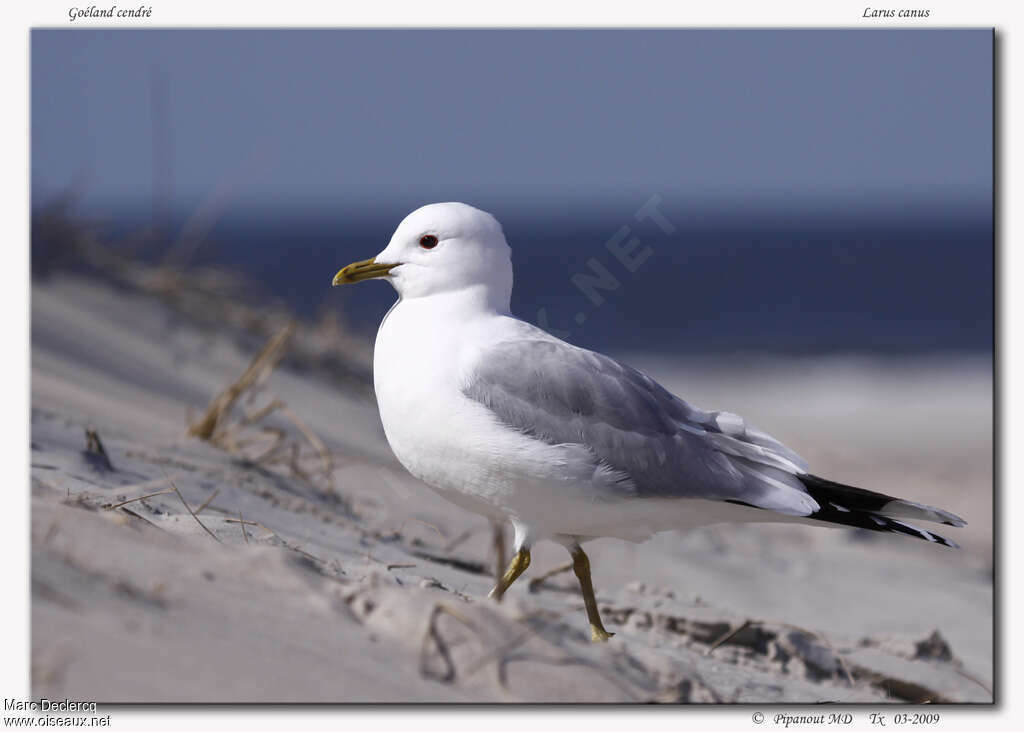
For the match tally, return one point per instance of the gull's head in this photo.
(442, 247)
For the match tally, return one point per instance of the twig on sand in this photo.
(432, 634)
(728, 635)
(241, 522)
(208, 501)
(257, 524)
(140, 498)
(316, 442)
(499, 654)
(975, 679)
(271, 532)
(191, 512)
(140, 517)
(450, 546)
(536, 582)
(425, 523)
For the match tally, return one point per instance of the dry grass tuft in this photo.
(215, 417)
(227, 302)
(272, 444)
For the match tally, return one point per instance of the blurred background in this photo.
(821, 191)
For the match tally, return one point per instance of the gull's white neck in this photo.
(462, 303)
(427, 333)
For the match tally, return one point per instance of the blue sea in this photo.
(783, 280)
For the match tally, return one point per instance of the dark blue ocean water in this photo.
(788, 281)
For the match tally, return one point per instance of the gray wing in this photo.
(661, 445)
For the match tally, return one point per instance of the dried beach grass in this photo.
(230, 303)
(237, 437)
(213, 423)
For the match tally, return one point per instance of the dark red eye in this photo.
(428, 241)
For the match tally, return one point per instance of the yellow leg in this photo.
(516, 567)
(581, 566)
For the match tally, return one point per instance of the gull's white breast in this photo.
(454, 444)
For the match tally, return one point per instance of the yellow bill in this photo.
(359, 271)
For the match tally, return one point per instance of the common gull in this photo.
(507, 421)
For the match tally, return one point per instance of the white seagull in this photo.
(509, 422)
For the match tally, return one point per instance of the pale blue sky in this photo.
(305, 117)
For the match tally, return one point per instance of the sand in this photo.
(296, 583)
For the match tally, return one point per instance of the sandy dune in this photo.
(365, 586)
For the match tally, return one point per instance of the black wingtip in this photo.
(850, 506)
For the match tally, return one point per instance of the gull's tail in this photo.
(849, 506)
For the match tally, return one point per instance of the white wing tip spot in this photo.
(729, 423)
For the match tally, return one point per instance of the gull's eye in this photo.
(428, 241)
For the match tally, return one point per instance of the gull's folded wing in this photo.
(659, 446)
(662, 446)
